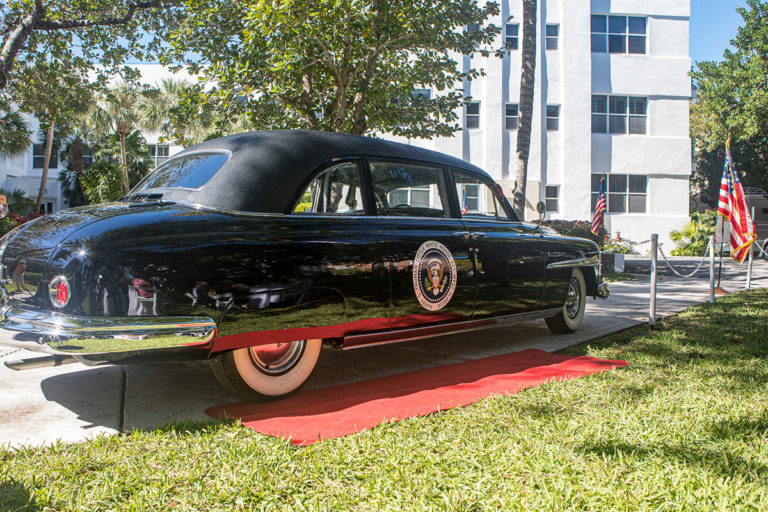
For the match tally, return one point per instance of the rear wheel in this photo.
(267, 372)
(765, 250)
(569, 318)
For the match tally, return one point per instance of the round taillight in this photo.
(59, 291)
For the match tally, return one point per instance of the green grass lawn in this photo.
(684, 427)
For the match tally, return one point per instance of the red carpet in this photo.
(312, 416)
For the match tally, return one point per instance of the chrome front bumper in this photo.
(603, 291)
(109, 339)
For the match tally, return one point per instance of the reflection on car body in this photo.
(253, 250)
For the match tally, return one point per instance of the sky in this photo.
(713, 25)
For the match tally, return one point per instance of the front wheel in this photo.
(267, 372)
(765, 251)
(569, 318)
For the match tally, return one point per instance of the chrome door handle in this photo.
(474, 235)
(461, 234)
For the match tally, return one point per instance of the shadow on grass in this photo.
(15, 497)
(724, 462)
(724, 346)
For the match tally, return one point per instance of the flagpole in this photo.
(722, 242)
(722, 224)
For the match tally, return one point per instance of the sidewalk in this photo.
(76, 402)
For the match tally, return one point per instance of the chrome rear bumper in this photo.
(110, 339)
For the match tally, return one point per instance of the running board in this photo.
(430, 331)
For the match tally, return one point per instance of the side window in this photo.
(476, 198)
(409, 190)
(335, 191)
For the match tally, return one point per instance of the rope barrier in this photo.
(761, 250)
(701, 263)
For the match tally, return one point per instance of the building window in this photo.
(158, 153)
(422, 93)
(38, 157)
(553, 118)
(619, 114)
(512, 36)
(618, 34)
(553, 31)
(551, 193)
(87, 156)
(471, 30)
(473, 114)
(511, 116)
(626, 192)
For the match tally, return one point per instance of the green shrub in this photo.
(693, 238)
(622, 247)
(103, 181)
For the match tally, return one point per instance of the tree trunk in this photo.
(16, 39)
(124, 164)
(76, 152)
(527, 82)
(46, 163)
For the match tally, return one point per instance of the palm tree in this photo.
(159, 112)
(527, 80)
(54, 93)
(78, 139)
(18, 201)
(118, 112)
(14, 134)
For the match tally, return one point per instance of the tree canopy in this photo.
(732, 95)
(86, 33)
(336, 65)
(732, 98)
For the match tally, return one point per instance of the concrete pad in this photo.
(75, 402)
(69, 403)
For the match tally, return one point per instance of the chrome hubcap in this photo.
(573, 301)
(277, 358)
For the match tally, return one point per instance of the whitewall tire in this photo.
(267, 372)
(570, 316)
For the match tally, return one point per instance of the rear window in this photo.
(191, 171)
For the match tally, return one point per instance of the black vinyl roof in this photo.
(267, 168)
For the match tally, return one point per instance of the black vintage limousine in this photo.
(255, 249)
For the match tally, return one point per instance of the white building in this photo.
(25, 172)
(611, 98)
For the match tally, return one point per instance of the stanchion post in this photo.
(711, 269)
(654, 269)
(751, 258)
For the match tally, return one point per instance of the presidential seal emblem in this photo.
(434, 275)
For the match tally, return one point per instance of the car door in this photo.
(430, 268)
(509, 264)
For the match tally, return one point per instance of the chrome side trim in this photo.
(578, 262)
(420, 332)
(108, 338)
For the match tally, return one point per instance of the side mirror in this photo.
(542, 209)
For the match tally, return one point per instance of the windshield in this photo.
(190, 171)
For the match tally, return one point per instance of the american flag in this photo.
(733, 206)
(600, 207)
(464, 208)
